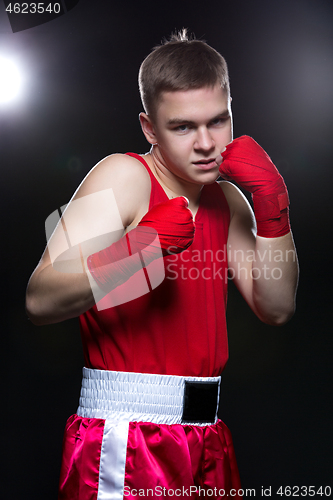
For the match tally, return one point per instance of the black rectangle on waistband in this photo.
(200, 401)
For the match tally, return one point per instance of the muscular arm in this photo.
(265, 270)
(53, 296)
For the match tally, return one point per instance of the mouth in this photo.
(206, 163)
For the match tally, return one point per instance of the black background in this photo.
(80, 103)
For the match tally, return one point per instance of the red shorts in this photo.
(127, 440)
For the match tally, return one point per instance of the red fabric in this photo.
(245, 162)
(171, 221)
(80, 458)
(180, 458)
(179, 328)
(174, 457)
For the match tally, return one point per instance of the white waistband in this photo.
(135, 397)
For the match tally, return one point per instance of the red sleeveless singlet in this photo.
(179, 328)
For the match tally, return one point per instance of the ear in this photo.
(148, 128)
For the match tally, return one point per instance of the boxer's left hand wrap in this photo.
(245, 162)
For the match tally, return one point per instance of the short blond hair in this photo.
(180, 64)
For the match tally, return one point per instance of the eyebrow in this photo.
(183, 121)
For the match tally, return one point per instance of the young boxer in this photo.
(147, 421)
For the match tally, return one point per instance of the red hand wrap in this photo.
(174, 224)
(172, 221)
(245, 162)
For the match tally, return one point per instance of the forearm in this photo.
(274, 279)
(54, 296)
(270, 283)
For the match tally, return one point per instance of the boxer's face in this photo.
(191, 128)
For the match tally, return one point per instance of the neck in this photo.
(172, 184)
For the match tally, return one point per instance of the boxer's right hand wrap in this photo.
(172, 221)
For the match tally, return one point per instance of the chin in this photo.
(208, 178)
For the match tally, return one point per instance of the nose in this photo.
(204, 140)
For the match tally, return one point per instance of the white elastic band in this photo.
(135, 397)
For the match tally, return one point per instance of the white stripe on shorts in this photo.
(113, 461)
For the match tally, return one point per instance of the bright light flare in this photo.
(10, 80)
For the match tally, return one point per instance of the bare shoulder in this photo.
(128, 179)
(237, 202)
(113, 171)
(130, 185)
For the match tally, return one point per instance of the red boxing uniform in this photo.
(176, 331)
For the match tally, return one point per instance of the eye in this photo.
(219, 121)
(182, 128)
